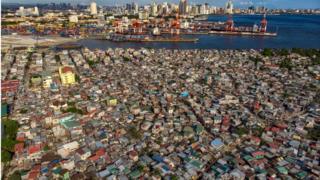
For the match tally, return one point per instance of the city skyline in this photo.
(281, 4)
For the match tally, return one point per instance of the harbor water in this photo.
(294, 31)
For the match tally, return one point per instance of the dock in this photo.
(171, 40)
(238, 33)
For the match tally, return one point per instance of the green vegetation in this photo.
(71, 103)
(283, 52)
(134, 133)
(174, 177)
(15, 176)
(306, 52)
(73, 109)
(140, 167)
(9, 139)
(91, 63)
(7, 23)
(267, 52)
(126, 59)
(286, 63)
(5, 156)
(241, 131)
(77, 78)
(286, 94)
(57, 58)
(316, 60)
(257, 131)
(314, 133)
(255, 60)
(46, 148)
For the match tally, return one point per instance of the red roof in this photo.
(100, 152)
(18, 148)
(256, 139)
(34, 148)
(275, 129)
(273, 145)
(258, 153)
(20, 137)
(66, 69)
(33, 175)
(36, 168)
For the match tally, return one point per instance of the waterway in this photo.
(294, 31)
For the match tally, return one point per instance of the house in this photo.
(66, 149)
(18, 148)
(83, 153)
(34, 151)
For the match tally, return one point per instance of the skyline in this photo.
(281, 4)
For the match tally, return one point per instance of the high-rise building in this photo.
(135, 8)
(36, 11)
(93, 8)
(154, 9)
(183, 7)
(229, 7)
(67, 75)
(28, 11)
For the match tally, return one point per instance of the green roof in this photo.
(259, 157)
(126, 170)
(282, 169)
(196, 164)
(4, 110)
(70, 124)
(248, 158)
(66, 176)
(135, 174)
(301, 175)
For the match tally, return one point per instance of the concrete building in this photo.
(73, 18)
(229, 7)
(93, 8)
(67, 75)
(183, 7)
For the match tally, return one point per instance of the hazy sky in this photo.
(237, 3)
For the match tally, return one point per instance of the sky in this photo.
(299, 4)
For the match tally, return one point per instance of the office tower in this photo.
(154, 9)
(135, 8)
(36, 11)
(183, 7)
(229, 7)
(93, 8)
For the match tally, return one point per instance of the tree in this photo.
(10, 128)
(283, 52)
(15, 176)
(314, 133)
(286, 63)
(8, 144)
(134, 133)
(267, 52)
(5, 156)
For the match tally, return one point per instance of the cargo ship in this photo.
(229, 29)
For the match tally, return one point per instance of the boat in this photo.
(201, 18)
(229, 29)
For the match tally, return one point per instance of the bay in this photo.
(294, 31)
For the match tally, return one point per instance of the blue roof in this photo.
(157, 158)
(184, 94)
(217, 142)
